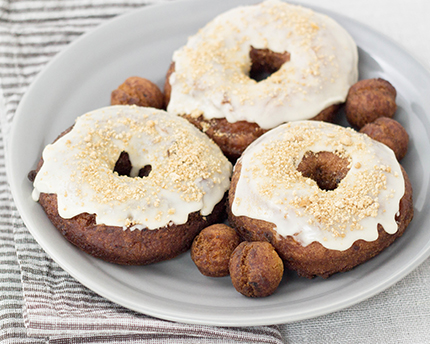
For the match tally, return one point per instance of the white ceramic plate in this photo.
(81, 78)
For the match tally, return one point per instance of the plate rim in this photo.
(269, 320)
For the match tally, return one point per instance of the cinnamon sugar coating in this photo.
(138, 91)
(389, 132)
(368, 100)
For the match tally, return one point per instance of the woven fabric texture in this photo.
(41, 303)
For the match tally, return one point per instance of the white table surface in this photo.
(405, 22)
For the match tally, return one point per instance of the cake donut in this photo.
(132, 185)
(326, 197)
(308, 59)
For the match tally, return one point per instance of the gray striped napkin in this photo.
(40, 302)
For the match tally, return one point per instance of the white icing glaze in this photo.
(211, 70)
(271, 189)
(189, 172)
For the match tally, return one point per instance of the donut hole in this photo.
(265, 62)
(124, 167)
(327, 169)
(145, 171)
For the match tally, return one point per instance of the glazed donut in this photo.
(176, 179)
(326, 197)
(311, 61)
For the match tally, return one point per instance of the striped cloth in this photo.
(40, 302)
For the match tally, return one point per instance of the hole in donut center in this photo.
(327, 169)
(124, 167)
(265, 62)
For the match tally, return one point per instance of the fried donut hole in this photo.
(256, 269)
(389, 132)
(212, 248)
(368, 100)
(138, 91)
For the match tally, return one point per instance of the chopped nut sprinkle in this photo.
(212, 71)
(186, 168)
(270, 179)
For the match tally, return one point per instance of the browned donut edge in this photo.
(116, 245)
(316, 260)
(233, 138)
(138, 247)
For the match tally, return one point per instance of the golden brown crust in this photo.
(138, 91)
(256, 269)
(328, 114)
(326, 168)
(212, 248)
(265, 62)
(314, 259)
(368, 100)
(125, 247)
(167, 86)
(233, 138)
(389, 132)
